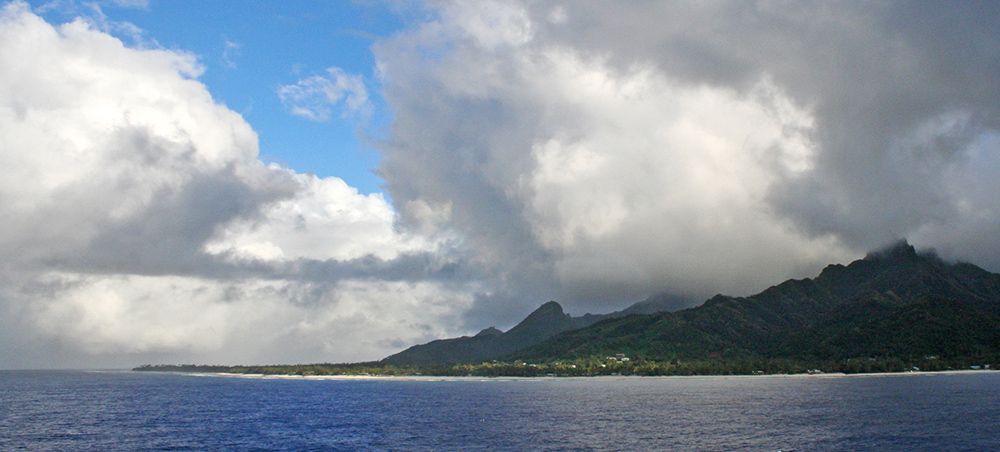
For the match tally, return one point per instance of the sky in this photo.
(248, 56)
(327, 182)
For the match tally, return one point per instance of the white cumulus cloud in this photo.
(140, 224)
(315, 97)
(327, 219)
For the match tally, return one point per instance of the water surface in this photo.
(70, 410)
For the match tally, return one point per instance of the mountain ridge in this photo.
(893, 301)
(545, 321)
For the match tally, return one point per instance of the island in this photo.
(896, 310)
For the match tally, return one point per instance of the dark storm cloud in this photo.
(899, 92)
(900, 97)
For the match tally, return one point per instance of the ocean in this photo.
(81, 410)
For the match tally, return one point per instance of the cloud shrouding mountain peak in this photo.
(589, 151)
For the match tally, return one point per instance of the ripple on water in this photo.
(64, 410)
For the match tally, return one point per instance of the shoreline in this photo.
(431, 378)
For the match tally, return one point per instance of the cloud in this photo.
(596, 153)
(237, 321)
(141, 225)
(896, 104)
(328, 219)
(93, 13)
(75, 7)
(230, 51)
(490, 23)
(135, 4)
(609, 182)
(315, 97)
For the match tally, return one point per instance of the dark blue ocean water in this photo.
(64, 410)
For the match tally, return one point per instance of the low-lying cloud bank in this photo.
(537, 151)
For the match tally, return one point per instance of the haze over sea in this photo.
(78, 410)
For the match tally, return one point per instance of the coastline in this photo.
(433, 378)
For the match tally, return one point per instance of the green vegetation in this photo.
(545, 322)
(604, 367)
(366, 368)
(893, 304)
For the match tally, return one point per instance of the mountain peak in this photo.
(900, 251)
(896, 303)
(491, 343)
(548, 316)
(491, 331)
(550, 307)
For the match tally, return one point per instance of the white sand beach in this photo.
(431, 378)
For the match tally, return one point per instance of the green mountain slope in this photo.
(895, 302)
(545, 322)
